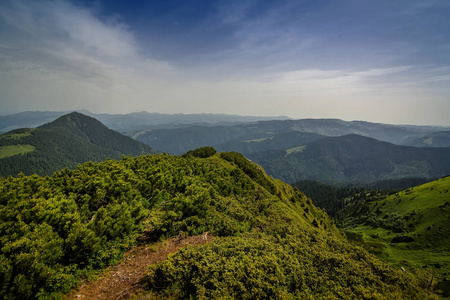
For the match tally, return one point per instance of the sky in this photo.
(373, 60)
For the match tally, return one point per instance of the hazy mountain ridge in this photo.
(66, 142)
(32, 119)
(222, 137)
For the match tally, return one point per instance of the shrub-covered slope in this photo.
(270, 240)
(66, 142)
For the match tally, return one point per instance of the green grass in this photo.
(426, 211)
(295, 149)
(16, 135)
(8, 151)
(259, 140)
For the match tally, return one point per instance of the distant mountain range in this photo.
(66, 142)
(131, 121)
(254, 137)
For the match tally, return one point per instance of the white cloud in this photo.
(57, 36)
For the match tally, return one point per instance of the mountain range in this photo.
(181, 140)
(127, 122)
(332, 151)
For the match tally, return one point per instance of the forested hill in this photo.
(354, 159)
(270, 241)
(66, 142)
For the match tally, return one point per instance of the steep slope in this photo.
(270, 240)
(66, 142)
(354, 159)
(409, 227)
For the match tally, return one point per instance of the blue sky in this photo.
(382, 61)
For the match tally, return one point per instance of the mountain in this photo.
(354, 159)
(269, 240)
(435, 139)
(408, 228)
(242, 137)
(66, 142)
(126, 122)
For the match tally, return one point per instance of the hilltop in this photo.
(270, 241)
(66, 142)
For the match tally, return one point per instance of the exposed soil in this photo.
(128, 278)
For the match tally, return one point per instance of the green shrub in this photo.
(294, 267)
(203, 152)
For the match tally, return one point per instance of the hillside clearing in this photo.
(8, 151)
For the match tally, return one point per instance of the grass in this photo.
(426, 209)
(259, 140)
(295, 149)
(8, 151)
(16, 136)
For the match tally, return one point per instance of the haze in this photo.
(380, 61)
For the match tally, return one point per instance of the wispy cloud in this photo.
(58, 36)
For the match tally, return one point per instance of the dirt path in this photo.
(124, 280)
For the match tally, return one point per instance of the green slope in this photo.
(270, 240)
(66, 142)
(409, 228)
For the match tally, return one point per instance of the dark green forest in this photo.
(271, 241)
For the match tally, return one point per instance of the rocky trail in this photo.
(128, 278)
